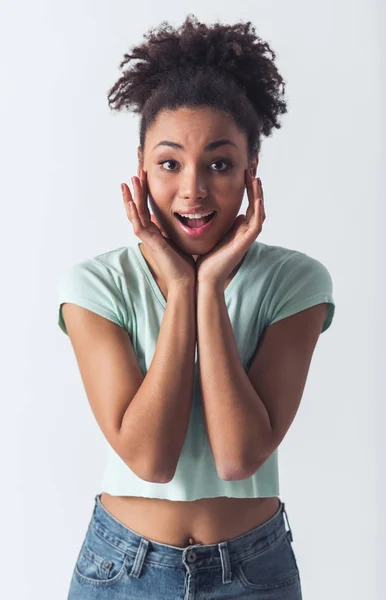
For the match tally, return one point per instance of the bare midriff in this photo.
(205, 521)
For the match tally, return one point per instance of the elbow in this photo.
(146, 473)
(147, 469)
(241, 472)
(231, 472)
(156, 478)
(164, 478)
(236, 475)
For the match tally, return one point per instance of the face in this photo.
(181, 178)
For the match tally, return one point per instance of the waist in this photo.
(177, 523)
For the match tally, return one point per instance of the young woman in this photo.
(194, 344)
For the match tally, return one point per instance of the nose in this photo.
(193, 185)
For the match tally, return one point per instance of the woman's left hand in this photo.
(215, 266)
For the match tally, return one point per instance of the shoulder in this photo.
(96, 283)
(107, 266)
(293, 281)
(281, 262)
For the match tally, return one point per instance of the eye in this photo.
(167, 161)
(226, 162)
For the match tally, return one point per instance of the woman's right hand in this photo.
(175, 267)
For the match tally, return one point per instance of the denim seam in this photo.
(272, 544)
(105, 539)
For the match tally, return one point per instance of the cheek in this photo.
(158, 207)
(160, 191)
(231, 187)
(232, 195)
(157, 192)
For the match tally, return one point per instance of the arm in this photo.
(243, 431)
(144, 419)
(155, 423)
(235, 416)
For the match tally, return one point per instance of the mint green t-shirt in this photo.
(272, 283)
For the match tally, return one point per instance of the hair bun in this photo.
(231, 60)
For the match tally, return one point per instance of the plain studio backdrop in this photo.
(63, 157)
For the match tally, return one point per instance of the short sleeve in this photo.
(89, 284)
(301, 282)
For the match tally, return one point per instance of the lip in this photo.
(197, 209)
(198, 231)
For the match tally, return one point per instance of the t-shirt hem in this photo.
(115, 491)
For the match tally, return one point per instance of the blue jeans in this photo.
(115, 562)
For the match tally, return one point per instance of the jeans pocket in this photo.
(273, 568)
(100, 563)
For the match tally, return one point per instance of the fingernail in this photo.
(122, 187)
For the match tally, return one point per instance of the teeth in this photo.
(195, 216)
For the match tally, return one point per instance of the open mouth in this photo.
(195, 223)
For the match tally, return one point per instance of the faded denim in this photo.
(115, 562)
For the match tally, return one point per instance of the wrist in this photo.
(211, 286)
(182, 287)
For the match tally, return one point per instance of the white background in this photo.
(63, 157)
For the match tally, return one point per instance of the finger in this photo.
(248, 181)
(131, 211)
(262, 199)
(127, 198)
(137, 197)
(259, 201)
(135, 180)
(143, 206)
(254, 198)
(261, 189)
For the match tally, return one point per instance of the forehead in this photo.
(194, 127)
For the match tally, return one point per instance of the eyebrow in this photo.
(208, 147)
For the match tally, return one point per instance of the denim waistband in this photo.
(195, 556)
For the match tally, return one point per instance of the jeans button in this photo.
(191, 556)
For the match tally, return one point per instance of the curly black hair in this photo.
(225, 67)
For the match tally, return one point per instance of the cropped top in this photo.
(272, 283)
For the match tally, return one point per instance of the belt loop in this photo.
(225, 562)
(139, 558)
(289, 526)
(95, 504)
